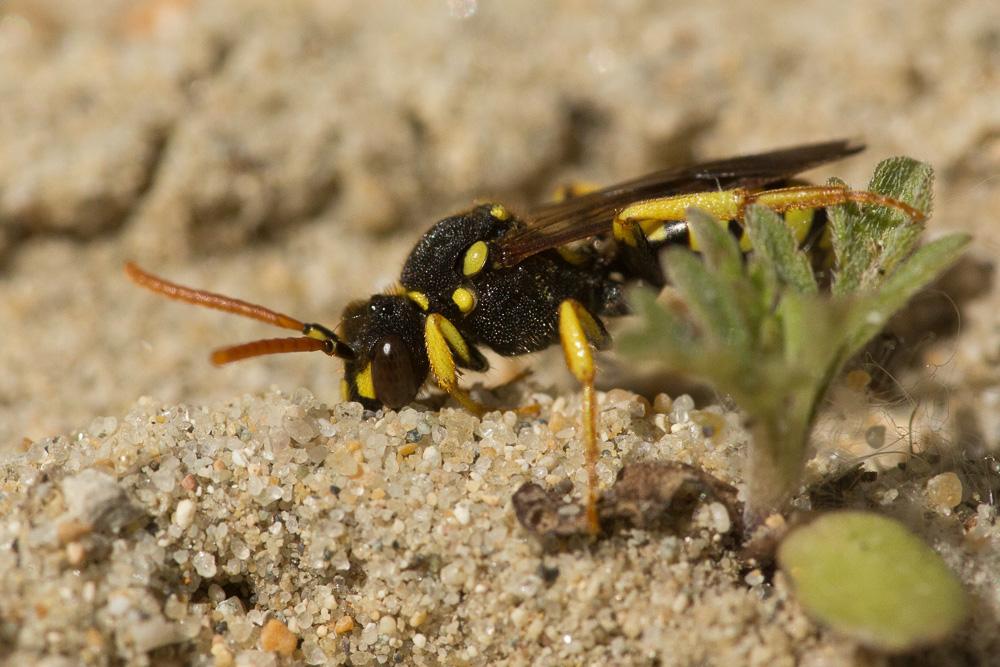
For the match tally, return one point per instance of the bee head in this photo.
(389, 364)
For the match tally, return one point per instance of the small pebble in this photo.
(857, 380)
(189, 483)
(277, 638)
(432, 456)
(419, 640)
(721, 521)
(184, 515)
(204, 564)
(452, 574)
(387, 626)
(72, 530)
(344, 625)
(75, 553)
(663, 404)
(223, 657)
(95, 497)
(944, 491)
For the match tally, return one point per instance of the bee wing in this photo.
(555, 224)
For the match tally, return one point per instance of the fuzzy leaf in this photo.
(717, 246)
(775, 246)
(870, 244)
(662, 333)
(761, 332)
(870, 578)
(854, 249)
(916, 272)
(711, 298)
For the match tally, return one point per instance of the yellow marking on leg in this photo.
(724, 205)
(465, 299)
(453, 338)
(345, 390)
(574, 323)
(418, 298)
(800, 222)
(656, 232)
(576, 346)
(475, 258)
(728, 205)
(363, 381)
(442, 338)
(744, 240)
(625, 231)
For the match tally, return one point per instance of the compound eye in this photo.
(393, 376)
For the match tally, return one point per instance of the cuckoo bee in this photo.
(518, 283)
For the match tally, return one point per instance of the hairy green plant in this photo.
(868, 577)
(762, 330)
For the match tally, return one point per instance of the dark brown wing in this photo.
(554, 224)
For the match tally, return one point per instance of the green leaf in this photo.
(853, 248)
(775, 245)
(719, 250)
(914, 274)
(761, 332)
(662, 333)
(905, 179)
(710, 296)
(869, 244)
(868, 577)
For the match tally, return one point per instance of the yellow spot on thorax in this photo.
(419, 298)
(464, 298)
(475, 258)
(499, 212)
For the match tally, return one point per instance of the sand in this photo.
(155, 508)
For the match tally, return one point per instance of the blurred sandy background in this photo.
(290, 153)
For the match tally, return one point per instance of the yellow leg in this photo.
(732, 204)
(443, 341)
(577, 330)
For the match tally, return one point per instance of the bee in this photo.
(519, 283)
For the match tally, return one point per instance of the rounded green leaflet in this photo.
(868, 577)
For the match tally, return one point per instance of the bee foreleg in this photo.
(443, 342)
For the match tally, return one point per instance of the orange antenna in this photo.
(316, 338)
(259, 348)
(208, 299)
